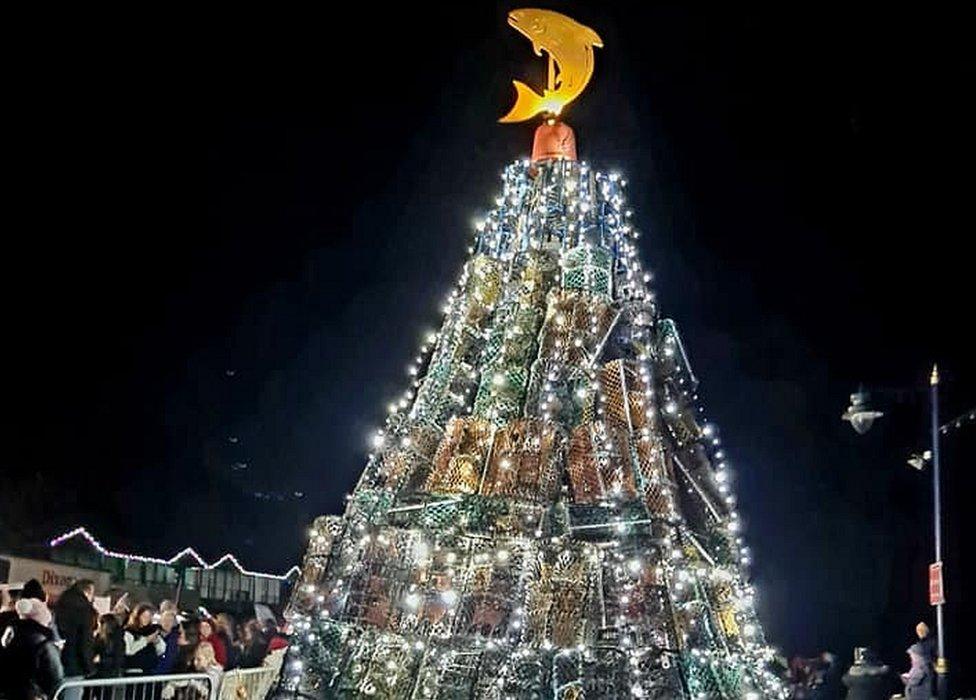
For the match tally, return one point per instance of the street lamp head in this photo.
(918, 461)
(859, 413)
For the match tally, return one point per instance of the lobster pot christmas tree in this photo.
(544, 514)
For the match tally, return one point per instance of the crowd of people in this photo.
(41, 647)
(819, 678)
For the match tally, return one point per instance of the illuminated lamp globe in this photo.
(859, 414)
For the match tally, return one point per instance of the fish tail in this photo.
(528, 103)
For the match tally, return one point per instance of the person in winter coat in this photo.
(31, 661)
(186, 646)
(918, 680)
(255, 645)
(225, 630)
(927, 641)
(109, 648)
(76, 617)
(34, 589)
(8, 614)
(170, 633)
(203, 662)
(143, 643)
(208, 633)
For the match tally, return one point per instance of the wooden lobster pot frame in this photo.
(525, 461)
(575, 327)
(460, 458)
(599, 463)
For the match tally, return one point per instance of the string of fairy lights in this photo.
(568, 210)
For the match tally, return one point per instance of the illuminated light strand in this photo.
(188, 551)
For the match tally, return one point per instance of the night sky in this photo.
(233, 235)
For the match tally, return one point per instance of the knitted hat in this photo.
(33, 609)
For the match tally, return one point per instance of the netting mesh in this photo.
(587, 268)
(460, 457)
(525, 461)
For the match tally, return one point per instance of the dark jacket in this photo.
(7, 618)
(927, 643)
(31, 666)
(918, 680)
(111, 656)
(167, 662)
(232, 652)
(76, 623)
(254, 652)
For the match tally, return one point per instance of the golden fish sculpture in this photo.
(570, 48)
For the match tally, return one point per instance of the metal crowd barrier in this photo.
(248, 683)
(178, 686)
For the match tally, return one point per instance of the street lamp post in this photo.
(861, 416)
(941, 664)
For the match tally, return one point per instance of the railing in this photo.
(138, 687)
(248, 683)
(239, 684)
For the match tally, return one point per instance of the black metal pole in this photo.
(941, 664)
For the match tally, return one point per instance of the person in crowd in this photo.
(918, 680)
(143, 642)
(225, 630)
(8, 612)
(186, 644)
(255, 645)
(109, 647)
(927, 641)
(121, 608)
(34, 589)
(277, 639)
(31, 663)
(204, 661)
(75, 617)
(170, 633)
(827, 684)
(208, 633)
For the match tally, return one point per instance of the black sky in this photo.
(241, 227)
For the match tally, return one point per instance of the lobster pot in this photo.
(641, 598)
(524, 461)
(722, 598)
(524, 676)
(380, 668)
(599, 463)
(323, 534)
(574, 327)
(587, 268)
(485, 614)
(448, 673)
(656, 480)
(607, 675)
(483, 289)
(460, 456)
(449, 376)
(706, 679)
(561, 392)
(411, 452)
(537, 271)
(622, 392)
(556, 600)
(681, 418)
(566, 681)
(512, 340)
(501, 394)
